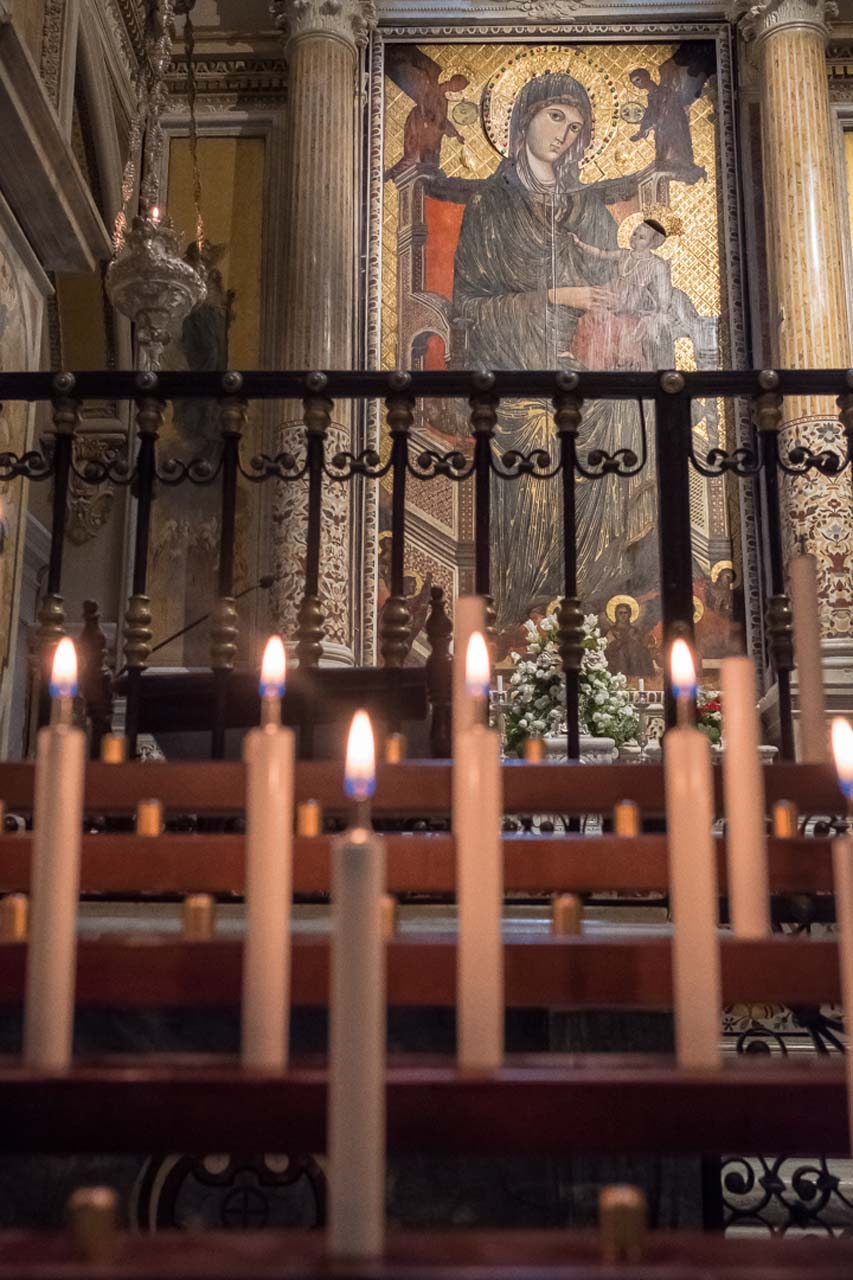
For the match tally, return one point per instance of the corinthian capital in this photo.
(759, 19)
(349, 20)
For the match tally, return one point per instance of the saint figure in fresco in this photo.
(524, 277)
(627, 650)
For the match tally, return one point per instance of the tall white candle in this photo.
(477, 819)
(268, 753)
(469, 615)
(55, 880)
(692, 878)
(743, 779)
(356, 1099)
(802, 576)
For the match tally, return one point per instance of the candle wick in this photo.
(684, 711)
(361, 815)
(271, 710)
(62, 710)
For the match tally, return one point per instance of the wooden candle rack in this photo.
(546, 1103)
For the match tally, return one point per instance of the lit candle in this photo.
(155, 214)
(842, 867)
(55, 879)
(268, 753)
(477, 816)
(802, 575)
(356, 1098)
(692, 877)
(743, 779)
(469, 615)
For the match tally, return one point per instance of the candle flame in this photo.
(273, 668)
(155, 213)
(63, 676)
(842, 749)
(360, 770)
(477, 672)
(682, 670)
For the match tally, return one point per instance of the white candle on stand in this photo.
(802, 575)
(469, 615)
(356, 1100)
(842, 868)
(743, 778)
(268, 753)
(477, 821)
(692, 876)
(55, 880)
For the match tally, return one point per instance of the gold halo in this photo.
(628, 226)
(502, 90)
(698, 609)
(718, 568)
(610, 607)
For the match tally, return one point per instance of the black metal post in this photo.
(484, 416)
(224, 632)
(137, 626)
(780, 634)
(396, 621)
(51, 615)
(567, 419)
(672, 447)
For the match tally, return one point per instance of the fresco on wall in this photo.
(557, 206)
(14, 355)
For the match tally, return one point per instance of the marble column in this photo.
(808, 317)
(323, 39)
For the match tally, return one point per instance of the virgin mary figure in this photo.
(525, 272)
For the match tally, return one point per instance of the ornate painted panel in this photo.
(561, 204)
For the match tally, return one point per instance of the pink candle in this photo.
(268, 753)
(57, 831)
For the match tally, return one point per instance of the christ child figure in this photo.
(636, 332)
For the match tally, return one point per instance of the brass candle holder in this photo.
(199, 917)
(785, 820)
(534, 750)
(92, 1217)
(627, 819)
(395, 748)
(113, 748)
(622, 1219)
(566, 915)
(309, 818)
(14, 917)
(149, 818)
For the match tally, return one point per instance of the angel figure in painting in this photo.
(668, 99)
(427, 124)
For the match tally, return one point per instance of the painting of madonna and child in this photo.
(560, 207)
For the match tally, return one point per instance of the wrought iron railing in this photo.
(767, 455)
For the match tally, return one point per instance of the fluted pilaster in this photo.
(322, 40)
(809, 324)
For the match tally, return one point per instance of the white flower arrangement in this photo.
(537, 693)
